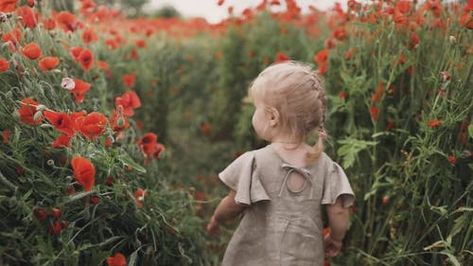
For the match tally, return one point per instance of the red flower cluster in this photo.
(129, 101)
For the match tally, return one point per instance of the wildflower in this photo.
(49, 24)
(13, 36)
(150, 147)
(4, 65)
(378, 93)
(129, 101)
(27, 112)
(452, 159)
(84, 172)
(56, 213)
(434, 123)
(118, 121)
(75, 52)
(86, 59)
(129, 80)
(68, 83)
(89, 36)
(40, 214)
(48, 63)
(29, 18)
(92, 125)
(8, 5)
(6, 135)
(374, 111)
(117, 260)
(80, 89)
(67, 21)
(280, 57)
(61, 121)
(32, 51)
(342, 95)
(55, 228)
(414, 41)
(64, 140)
(139, 197)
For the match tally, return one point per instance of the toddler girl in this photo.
(280, 188)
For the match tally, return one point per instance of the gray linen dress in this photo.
(281, 226)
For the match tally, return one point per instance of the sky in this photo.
(209, 9)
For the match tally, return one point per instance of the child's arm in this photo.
(226, 210)
(338, 221)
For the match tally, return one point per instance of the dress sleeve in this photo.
(336, 184)
(241, 176)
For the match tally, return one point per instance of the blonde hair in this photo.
(298, 94)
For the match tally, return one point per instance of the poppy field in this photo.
(113, 129)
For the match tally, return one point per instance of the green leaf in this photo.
(127, 160)
(350, 148)
(452, 258)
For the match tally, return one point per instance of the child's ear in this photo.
(273, 116)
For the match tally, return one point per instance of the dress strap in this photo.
(303, 172)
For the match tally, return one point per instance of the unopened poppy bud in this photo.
(452, 39)
(120, 122)
(38, 116)
(40, 214)
(40, 107)
(56, 213)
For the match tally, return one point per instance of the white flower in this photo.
(68, 83)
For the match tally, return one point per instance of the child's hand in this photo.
(213, 227)
(332, 246)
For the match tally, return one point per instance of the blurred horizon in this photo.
(209, 10)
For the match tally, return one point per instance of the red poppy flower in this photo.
(118, 121)
(140, 43)
(86, 59)
(378, 93)
(452, 159)
(129, 101)
(5, 136)
(117, 260)
(321, 57)
(80, 89)
(4, 65)
(89, 36)
(129, 80)
(30, 3)
(13, 36)
(414, 41)
(29, 18)
(8, 5)
(84, 172)
(67, 21)
(48, 63)
(55, 228)
(434, 123)
(76, 118)
(61, 121)
(150, 147)
(64, 140)
(49, 24)
(75, 52)
(92, 125)
(103, 65)
(466, 20)
(403, 6)
(374, 111)
(139, 197)
(32, 51)
(340, 33)
(280, 57)
(27, 111)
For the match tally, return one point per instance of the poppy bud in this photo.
(385, 200)
(40, 214)
(56, 213)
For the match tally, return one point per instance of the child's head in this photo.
(292, 98)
